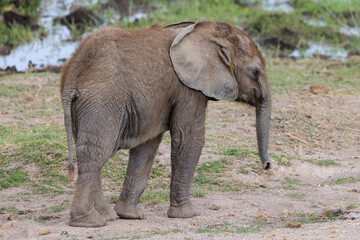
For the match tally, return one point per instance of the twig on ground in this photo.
(299, 139)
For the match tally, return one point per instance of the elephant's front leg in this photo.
(186, 145)
(137, 173)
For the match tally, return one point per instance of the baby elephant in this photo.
(123, 89)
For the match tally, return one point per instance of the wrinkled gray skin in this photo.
(123, 89)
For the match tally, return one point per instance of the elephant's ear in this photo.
(204, 62)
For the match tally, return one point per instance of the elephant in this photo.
(122, 89)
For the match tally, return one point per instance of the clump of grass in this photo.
(344, 180)
(14, 36)
(291, 184)
(13, 177)
(239, 152)
(297, 195)
(227, 227)
(209, 176)
(325, 216)
(243, 170)
(281, 159)
(115, 168)
(59, 207)
(323, 163)
(252, 227)
(200, 193)
(224, 227)
(153, 197)
(10, 209)
(351, 206)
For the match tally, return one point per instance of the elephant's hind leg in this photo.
(94, 147)
(140, 162)
(83, 212)
(101, 205)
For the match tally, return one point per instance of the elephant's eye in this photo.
(256, 73)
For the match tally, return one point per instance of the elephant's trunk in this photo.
(263, 112)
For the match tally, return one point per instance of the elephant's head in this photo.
(223, 63)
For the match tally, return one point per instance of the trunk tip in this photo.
(267, 165)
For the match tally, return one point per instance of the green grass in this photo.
(243, 170)
(10, 209)
(227, 227)
(12, 90)
(344, 180)
(238, 152)
(351, 206)
(13, 177)
(297, 195)
(152, 197)
(323, 163)
(291, 184)
(14, 36)
(224, 227)
(326, 216)
(210, 177)
(281, 159)
(43, 146)
(287, 76)
(59, 207)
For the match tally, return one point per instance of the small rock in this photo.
(292, 224)
(352, 216)
(214, 207)
(12, 217)
(4, 50)
(64, 233)
(355, 52)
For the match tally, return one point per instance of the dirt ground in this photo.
(315, 146)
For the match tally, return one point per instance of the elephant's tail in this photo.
(67, 99)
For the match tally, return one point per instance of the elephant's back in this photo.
(113, 56)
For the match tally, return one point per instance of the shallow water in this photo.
(55, 46)
(321, 49)
(276, 6)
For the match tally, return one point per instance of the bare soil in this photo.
(306, 128)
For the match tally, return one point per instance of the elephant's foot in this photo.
(186, 210)
(91, 219)
(108, 213)
(128, 211)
